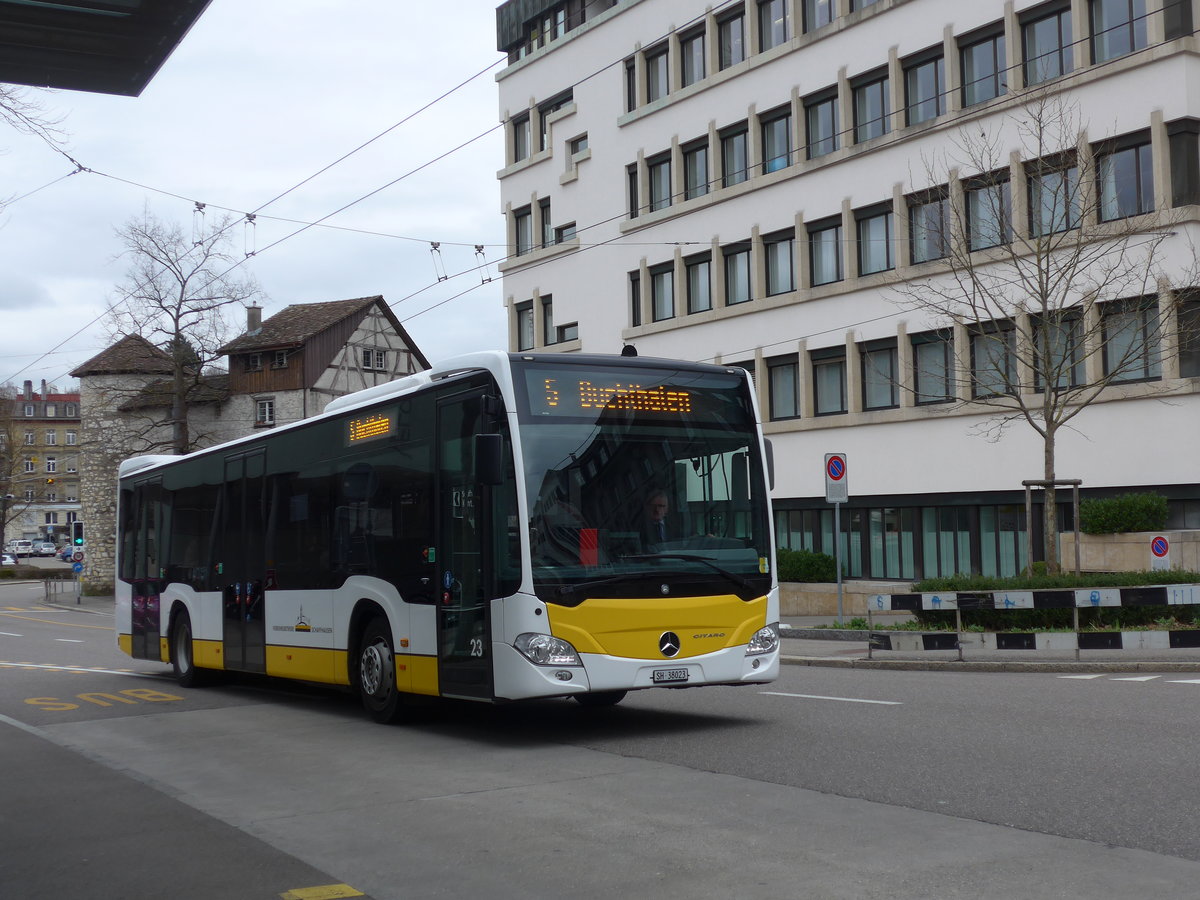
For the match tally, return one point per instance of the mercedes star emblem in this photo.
(668, 644)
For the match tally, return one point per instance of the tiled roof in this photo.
(295, 324)
(132, 354)
(208, 389)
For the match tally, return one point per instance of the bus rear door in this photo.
(464, 633)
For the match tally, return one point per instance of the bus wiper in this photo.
(600, 582)
(691, 557)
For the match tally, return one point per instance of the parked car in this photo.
(22, 548)
(47, 549)
(8, 560)
(66, 553)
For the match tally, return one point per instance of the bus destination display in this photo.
(370, 427)
(557, 395)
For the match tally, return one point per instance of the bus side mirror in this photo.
(770, 464)
(489, 458)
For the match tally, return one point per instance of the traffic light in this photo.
(49, 481)
(77, 533)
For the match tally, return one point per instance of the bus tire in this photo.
(183, 658)
(377, 672)
(597, 699)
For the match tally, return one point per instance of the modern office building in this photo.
(907, 218)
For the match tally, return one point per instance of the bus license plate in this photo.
(666, 676)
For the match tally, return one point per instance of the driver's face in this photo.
(657, 507)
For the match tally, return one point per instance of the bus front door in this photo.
(242, 566)
(464, 633)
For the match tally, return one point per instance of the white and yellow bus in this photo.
(477, 531)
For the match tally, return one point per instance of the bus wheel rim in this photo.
(374, 668)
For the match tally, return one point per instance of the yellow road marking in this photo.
(322, 892)
(55, 622)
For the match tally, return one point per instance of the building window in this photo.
(1058, 351)
(880, 375)
(564, 233)
(635, 299)
(699, 283)
(993, 360)
(28, 409)
(872, 109)
(545, 111)
(691, 57)
(737, 274)
(776, 141)
(525, 326)
(933, 367)
(1189, 337)
(254, 362)
(51, 438)
(780, 251)
(1048, 50)
(1125, 182)
(733, 157)
(630, 85)
(51, 465)
(820, 115)
(30, 438)
(1183, 139)
(1131, 340)
(924, 87)
(783, 381)
(548, 319)
(374, 359)
(52, 497)
(829, 381)
(929, 226)
(568, 332)
(264, 412)
(662, 293)
(1118, 27)
(817, 13)
(546, 219)
(989, 211)
(731, 35)
(72, 438)
(1053, 198)
(874, 241)
(772, 23)
(51, 517)
(520, 137)
(523, 230)
(29, 495)
(71, 464)
(50, 410)
(71, 411)
(984, 70)
(657, 77)
(825, 252)
(29, 467)
(660, 182)
(281, 360)
(577, 144)
(631, 180)
(695, 170)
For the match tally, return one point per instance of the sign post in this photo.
(1160, 553)
(837, 492)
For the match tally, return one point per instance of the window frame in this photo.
(729, 138)
(1063, 52)
(1002, 229)
(691, 152)
(773, 20)
(824, 360)
(870, 214)
(868, 351)
(731, 40)
(780, 246)
(822, 235)
(777, 409)
(943, 375)
(693, 264)
(772, 126)
(986, 336)
(662, 292)
(693, 61)
(821, 114)
(878, 81)
(937, 197)
(1131, 30)
(916, 101)
(658, 172)
(990, 41)
(1149, 339)
(736, 269)
(1066, 169)
(658, 73)
(1110, 153)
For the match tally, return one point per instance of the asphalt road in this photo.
(831, 783)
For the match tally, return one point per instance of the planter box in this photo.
(1129, 552)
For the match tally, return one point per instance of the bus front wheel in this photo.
(377, 673)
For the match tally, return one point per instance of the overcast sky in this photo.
(258, 97)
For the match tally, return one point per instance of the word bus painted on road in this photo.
(475, 531)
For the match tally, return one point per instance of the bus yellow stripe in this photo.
(631, 627)
(208, 655)
(308, 664)
(417, 674)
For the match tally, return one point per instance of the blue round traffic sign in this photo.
(77, 568)
(836, 467)
(1160, 546)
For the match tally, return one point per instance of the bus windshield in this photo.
(638, 473)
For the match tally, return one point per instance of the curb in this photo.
(937, 665)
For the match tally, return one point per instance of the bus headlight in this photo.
(545, 650)
(765, 640)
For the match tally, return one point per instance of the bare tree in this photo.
(176, 294)
(23, 112)
(1054, 273)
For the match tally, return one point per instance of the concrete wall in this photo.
(1130, 552)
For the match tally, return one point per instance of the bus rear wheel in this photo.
(377, 672)
(183, 658)
(600, 698)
